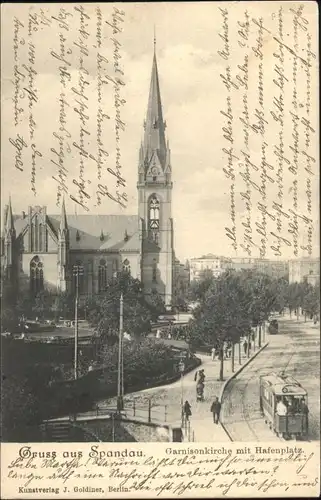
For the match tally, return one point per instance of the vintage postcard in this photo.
(160, 269)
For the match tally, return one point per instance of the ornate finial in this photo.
(102, 236)
(77, 236)
(154, 39)
(126, 236)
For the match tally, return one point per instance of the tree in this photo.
(104, 309)
(42, 305)
(223, 314)
(199, 288)
(295, 298)
(9, 319)
(157, 305)
(311, 302)
(64, 306)
(20, 406)
(263, 297)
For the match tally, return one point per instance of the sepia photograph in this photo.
(160, 268)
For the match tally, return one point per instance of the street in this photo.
(295, 349)
(171, 394)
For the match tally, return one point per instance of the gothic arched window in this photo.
(102, 276)
(126, 266)
(154, 275)
(40, 238)
(38, 232)
(36, 275)
(154, 218)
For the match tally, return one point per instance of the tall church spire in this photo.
(9, 219)
(154, 138)
(63, 218)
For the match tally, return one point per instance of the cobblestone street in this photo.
(296, 349)
(170, 395)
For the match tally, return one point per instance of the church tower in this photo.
(155, 198)
(63, 249)
(9, 244)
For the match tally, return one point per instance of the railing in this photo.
(188, 432)
(146, 413)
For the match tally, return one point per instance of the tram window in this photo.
(292, 403)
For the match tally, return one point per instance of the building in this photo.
(199, 266)
(306, 268)
(181, 279)
(239, 263)
(273, 268)
(40, 249)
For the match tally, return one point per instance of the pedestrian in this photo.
(213, 353)
(281, 408)
(249, 346)
(216, 410)
(200, 391)
(303, 407)
(187, 409)
(245, 347)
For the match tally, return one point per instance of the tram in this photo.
(273, 327)
(284, 405)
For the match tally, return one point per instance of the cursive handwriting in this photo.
(101, 62)
(279, 81)
(19, 144)
(82, 104)
(62, 135)
(118, 83)
(227, 129)
(180, 470)
(18, 75)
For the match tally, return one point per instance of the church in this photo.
(41, 251)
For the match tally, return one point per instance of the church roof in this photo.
(94, 232)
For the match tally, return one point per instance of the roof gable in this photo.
(86, 231)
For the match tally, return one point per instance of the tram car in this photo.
(284, 405)
(273, 327)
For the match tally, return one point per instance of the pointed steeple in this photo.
(154, 138)
(63, 218)
(9, 241)
(63, 228)
(9, 218)
(141, 154)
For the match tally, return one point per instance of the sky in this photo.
(188, 40)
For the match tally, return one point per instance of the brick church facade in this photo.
(40, 250)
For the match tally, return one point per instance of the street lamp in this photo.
(181, 367)
(77, 271)
(120, 384)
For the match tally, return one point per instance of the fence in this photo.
(145, 413)
(188, 433)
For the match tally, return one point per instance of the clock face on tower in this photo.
(154, 171)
